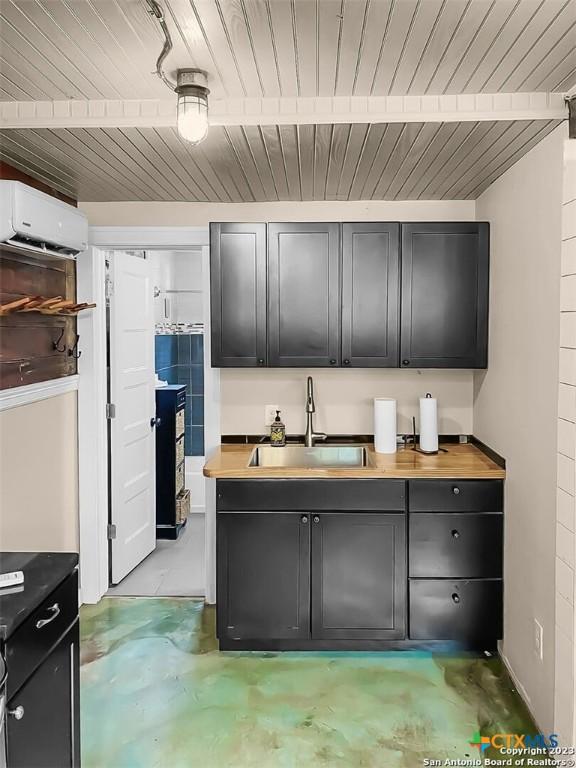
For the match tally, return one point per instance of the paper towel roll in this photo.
(428, 424)
(384, 425)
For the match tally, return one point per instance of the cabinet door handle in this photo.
(260, 361)
(405, 362)
(332, 361)
(54, 610)
(304, 519)
(455, 534)
(17, 713)
(456, 597)
(455, 490)
(316, 519)
(346, 362)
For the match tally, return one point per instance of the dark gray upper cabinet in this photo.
(445, 295)
(238, 294)
(303, 294)
(370, 294)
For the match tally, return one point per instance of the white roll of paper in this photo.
(428, 424)
(384, 425)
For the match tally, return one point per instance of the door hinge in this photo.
(111, 531)
(109, 288)
(110, 411)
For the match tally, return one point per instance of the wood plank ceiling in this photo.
(106, 49)
(266, 163)
(61, 49)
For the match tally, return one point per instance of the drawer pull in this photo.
(455, 534)
(304, 519)
(455, 597)
(54, 610)
(455, 490)
(17, 713)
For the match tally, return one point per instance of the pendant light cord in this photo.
(158, 13)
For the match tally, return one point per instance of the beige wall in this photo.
(39, 476)
(515, 404)
(343, 398)
(137, 214)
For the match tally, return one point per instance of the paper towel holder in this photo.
(416, 447)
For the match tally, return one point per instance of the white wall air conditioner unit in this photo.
(32, 220)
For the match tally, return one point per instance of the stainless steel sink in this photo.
(299, 456)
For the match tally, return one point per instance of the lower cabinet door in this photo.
(46, 733)
(358, 576)
(456, 609)
(263, 578)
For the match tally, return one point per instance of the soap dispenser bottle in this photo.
(278, 431)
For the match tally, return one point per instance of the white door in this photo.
(132, 456)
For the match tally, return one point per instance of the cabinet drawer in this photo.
(452, 545)
(451, 609)
(34, 640)
(455, 495)
(317, 495)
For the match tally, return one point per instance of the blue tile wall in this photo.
(179, 359)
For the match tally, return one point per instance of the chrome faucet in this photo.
(310, 435)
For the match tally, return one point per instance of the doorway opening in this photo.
(161, 319)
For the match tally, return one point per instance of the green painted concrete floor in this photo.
(156, 693)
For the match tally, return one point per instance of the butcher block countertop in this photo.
(459, 461)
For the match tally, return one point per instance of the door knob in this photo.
(260, 361)
(455, 490)
(316, 519)
(17, 713)
(455, 534)
(346, 362)
(456, 597)
(405, 362)
(332, 362)
(154, 422)
(304, 519)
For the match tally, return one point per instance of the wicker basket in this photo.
(182, 506)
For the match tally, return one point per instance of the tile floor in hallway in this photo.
(156, 693)
(174, 569)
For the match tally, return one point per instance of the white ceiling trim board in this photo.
(158, 113)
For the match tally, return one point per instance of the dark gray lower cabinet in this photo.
(358, 564)
(47, 734)
(464, 610)
(358, 576)
(263, 575)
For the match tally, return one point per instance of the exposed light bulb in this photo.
(192, 119)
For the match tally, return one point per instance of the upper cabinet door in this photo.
(238, 294)
(370, 294)
(303, 294)
(444, 295)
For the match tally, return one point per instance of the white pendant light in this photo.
(192, 93)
